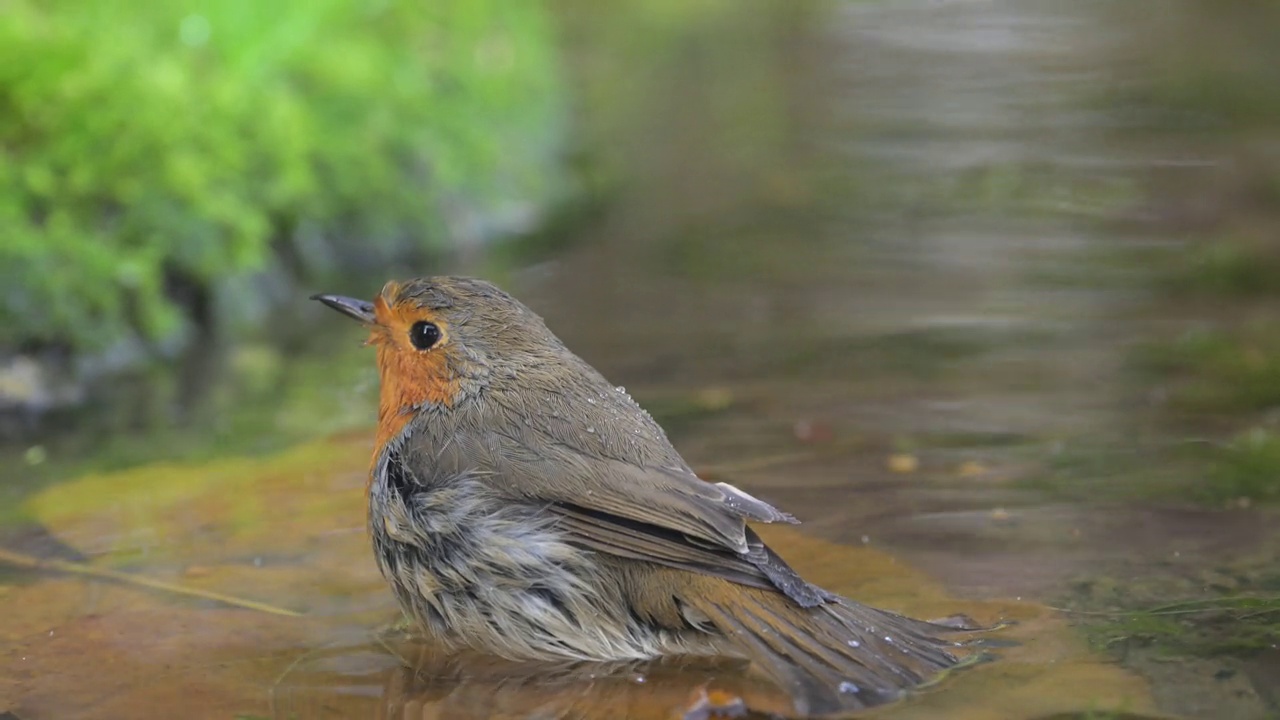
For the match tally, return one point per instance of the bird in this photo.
(521, 505)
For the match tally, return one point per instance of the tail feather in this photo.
(817, 655)
(835, 658)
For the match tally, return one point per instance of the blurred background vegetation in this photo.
(176, 179)
(157, 156)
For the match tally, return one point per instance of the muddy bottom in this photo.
(287, 532)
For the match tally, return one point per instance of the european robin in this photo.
(521, 505)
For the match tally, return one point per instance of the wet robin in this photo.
(521, 505)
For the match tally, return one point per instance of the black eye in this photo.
(424, 334)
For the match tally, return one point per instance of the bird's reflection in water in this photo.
(418, 681)
(402, 677)
(436, 685)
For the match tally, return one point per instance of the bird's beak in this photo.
(352, 308)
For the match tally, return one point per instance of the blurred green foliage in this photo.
(1220, 99)
(1212, 366)
(1217, 371)
(1223, 85)
(146, 142)
(1228, 266)
(1249, 467)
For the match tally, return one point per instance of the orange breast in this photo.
(409, 380)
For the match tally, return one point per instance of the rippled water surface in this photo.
(857, 260)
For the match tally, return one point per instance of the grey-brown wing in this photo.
(758, 567)
(620, 537)
(671, 498)
(665, 515)
(572, 437)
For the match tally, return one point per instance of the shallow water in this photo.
(287, 531)
(853, 266)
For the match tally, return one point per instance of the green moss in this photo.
(1178, 611)
(153, 145)
(1209, 627)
